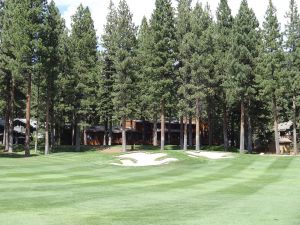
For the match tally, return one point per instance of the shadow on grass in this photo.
(177, 148)
(69, 148)
(19, 149)
(155, 148)
(15, 155)
(219, 149)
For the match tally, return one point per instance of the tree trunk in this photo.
(190, 132)
(275, 114)
(78, 137)
(296, 151)
(36, 136)
(53, 135)
(28, 107)
(225, 126)
(51, 120)
(6, 128)
(197, 125)
(210, 125)
(73, 131)
(47, 128)
(85, 136)
(242, 132)
(169, 130)
(11, 117)
(37, 116)
(250, 139)
(232, 131)
(162, 127)
(155, 132)
(181, 132)
(110, 133)
(105, 135)
(11, 133)
(144, 131)
(7, 117)
(4, 137)
(123, 122)
(59, 134)
(11, 136)
(185, 135)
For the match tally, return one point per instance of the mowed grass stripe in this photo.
(74, 181)
(127, 197)
(201, 183)
(131, 190)
(234, 168)
(72, 186)
(206, 197)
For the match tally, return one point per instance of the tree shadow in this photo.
(15, 155)
(72, 149)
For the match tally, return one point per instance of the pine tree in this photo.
(84, 47)
(292, 46)
(148, 104)
(21, 36)
(3, 72)
(206, 64)
(271, 58)
(244, 52)
(32, 16)
(124, 64)
(202, 62)
(65, 97)
(162, 64)
(53, 30)
(106, 108)
(185, 40)
(9, 68)
(145, 106)
(223, 43)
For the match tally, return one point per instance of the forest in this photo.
(240, 77)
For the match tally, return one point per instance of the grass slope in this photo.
(82, 188)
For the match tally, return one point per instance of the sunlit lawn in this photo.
(83, 188)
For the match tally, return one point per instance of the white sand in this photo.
(143, 159)
(210, 155)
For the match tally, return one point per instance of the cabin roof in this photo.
(33, 123)
(284, 140)
(285, 126)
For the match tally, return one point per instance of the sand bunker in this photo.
(210, 155)
(144, 159)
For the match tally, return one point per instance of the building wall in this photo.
(136, 129)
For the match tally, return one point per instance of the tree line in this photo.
(185, 63)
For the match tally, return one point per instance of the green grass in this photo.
(83, 188)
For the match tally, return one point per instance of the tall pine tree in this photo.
(244, 52)
(202, 62)
(84, 70)
(271, 58)
(186, 48)
(146, 106)
(53, 31)
(106, 108)
(292, 46)
(124, 64)
(223, 43)
(21, 39)
(162, 64)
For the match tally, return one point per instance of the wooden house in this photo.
(285, 138)
(141, 133)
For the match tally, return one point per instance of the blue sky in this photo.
(63, 8)
(140, 8)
